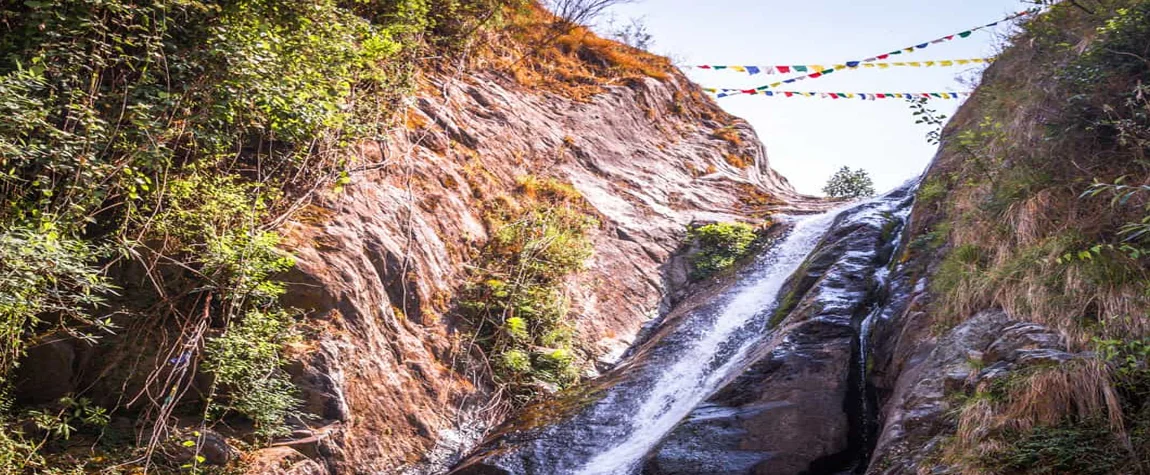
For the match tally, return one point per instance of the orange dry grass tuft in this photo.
(541, 51)
(737, 161)
(728, 134)
(548, 189)
(414, 119)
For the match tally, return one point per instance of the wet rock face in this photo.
(915, 417)
(797, 409)
(785, 411)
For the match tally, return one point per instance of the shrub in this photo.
(847, 183)
(515, 303)
(43, 272)
(246, 361)
(721, 245)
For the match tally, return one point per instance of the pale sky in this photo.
(807, 139)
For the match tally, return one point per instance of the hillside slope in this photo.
(1019, 344)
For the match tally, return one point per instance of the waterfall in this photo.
(614, 424)
(698, 371)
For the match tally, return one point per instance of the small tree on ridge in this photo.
(847, 183)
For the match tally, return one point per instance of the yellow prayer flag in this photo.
(884, 65)
(739, 69)
(840, 66)
(850, 95)
(777, 84)
(868, 65)
(963, 61)
(977, 60)
(929, 63)
(945, 95)
(946, 63)
(914, 64)
(818, 68)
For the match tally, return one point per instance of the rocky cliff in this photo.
(999, 327)
(380, 262)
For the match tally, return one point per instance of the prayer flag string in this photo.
(866, 96)
(853, 64)
(806, 68)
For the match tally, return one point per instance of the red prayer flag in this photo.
(883, 56)
(784, 69)
(815, 75)
(704, 67)
(789, 94)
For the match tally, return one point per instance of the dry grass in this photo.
(1016, 234)
(548, 189)
(540, 51)
(414, 119)
(738, 161)
(1079, 391)
(1015, 196)
(728, 134)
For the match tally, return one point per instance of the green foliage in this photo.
(516, 304)
(72, 412)
(246, 362)
(163, 137)
(1129, 362)
(931, 191)
(721, 245)
(928, 117)
(1121, 195)
(1072, 448)
(44, 272)
(847, 183)
(211, 224)
(962, 264)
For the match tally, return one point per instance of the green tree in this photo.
(847, 183)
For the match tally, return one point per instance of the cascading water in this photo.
(612, 425)
(697, 371)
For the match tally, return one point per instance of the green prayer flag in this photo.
(801, 69)
(965, 34)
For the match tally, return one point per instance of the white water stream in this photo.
(692, 377)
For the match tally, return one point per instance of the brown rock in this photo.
(379, 262)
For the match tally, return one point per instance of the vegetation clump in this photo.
(720, 246)
(516, 305)
(146, 150)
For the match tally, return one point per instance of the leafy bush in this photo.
(847, 183)
(72, 412)
(721, 245)
(43, 272)
(515, 304)
(246, 361)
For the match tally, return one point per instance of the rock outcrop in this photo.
(989, 345)
(379, 262)
(799, 408)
